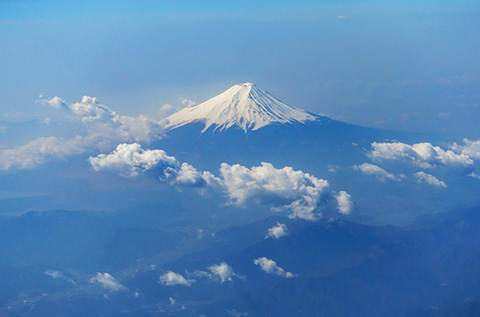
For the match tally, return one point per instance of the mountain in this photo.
(243, 105)
(222, 130)
(248, 125)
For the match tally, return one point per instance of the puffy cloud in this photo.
(271, 267)
(223, 272)
(55, 102)
(130, 159)
(304, 195)
(345, 204)
(424, 155)
(188, 175)
(299, 192)
(103, 129)
(171, 278)
(108, 282)
(422, 177)
(90, 110)
(277, 231)
(377, 171)
(469, 148)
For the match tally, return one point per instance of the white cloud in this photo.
(333, 168)
(271, 267)
(424, 155)
(223, 272)
(299, 192)
(59, 275)
(187, 102)
(171, 278)
(54, 274)
(188, 175)
(422, 177)
(166, 110)
(90, 110)
(40, 151)
(56, 102)
(108, 282)
(474, 175)
(277, 231)
(469, 148)
(304, 195)
(345, 203)
(102, 130)
(377, 171)
(130, 159)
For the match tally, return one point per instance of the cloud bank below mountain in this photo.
(303, 195)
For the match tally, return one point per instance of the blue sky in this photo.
(403, 65)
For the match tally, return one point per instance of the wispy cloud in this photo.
(59, 275)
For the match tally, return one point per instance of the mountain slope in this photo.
(242, 105)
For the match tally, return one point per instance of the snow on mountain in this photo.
(242, 105)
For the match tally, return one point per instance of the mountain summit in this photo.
(242, 105)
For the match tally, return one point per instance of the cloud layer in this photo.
(302, 194)
(102, 130)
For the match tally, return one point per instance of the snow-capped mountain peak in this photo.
(242, 105)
